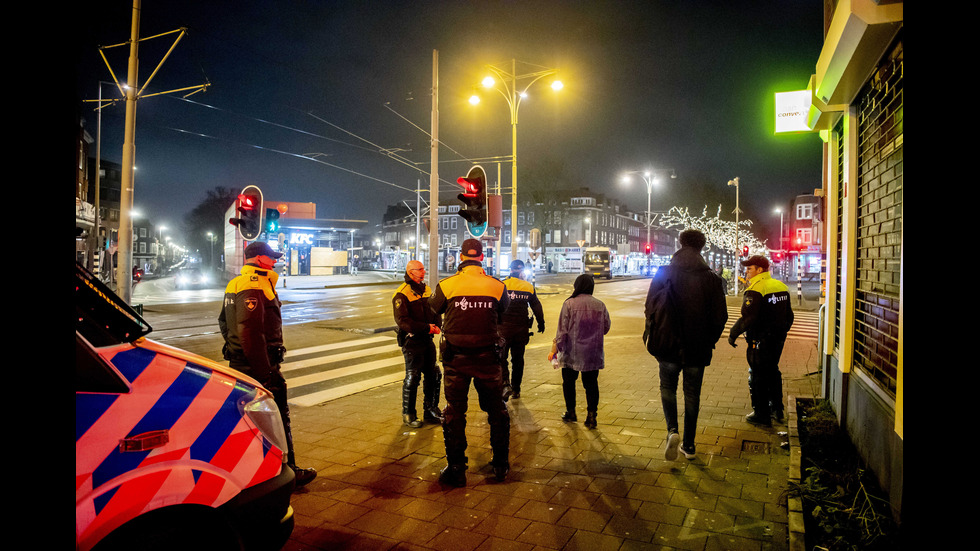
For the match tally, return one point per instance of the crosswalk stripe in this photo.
(338, 345)
(340, 391)
(321, 360)
(328, 360)
(344, 371)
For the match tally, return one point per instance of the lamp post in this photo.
(734, 182)
(506, 83)
(649, 180)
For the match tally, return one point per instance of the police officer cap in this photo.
(757, 260)
(516, 266)
(260, 248)
(472, 248)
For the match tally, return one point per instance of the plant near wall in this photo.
(840, 497)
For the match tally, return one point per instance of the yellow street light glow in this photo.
(488, 82)
(557, 85)
(474, 99)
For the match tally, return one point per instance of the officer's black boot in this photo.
(430, 399)
(409, 394)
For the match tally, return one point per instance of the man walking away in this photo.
(515, 327)
(416, 326)
(699, 324)
(767, 316)
(472, 304)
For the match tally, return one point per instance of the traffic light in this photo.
(745, 250)
(777, 257)
(647, 249)
(271, 220)
(474, 198)
(250, 213)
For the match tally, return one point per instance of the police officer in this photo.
(472, 303)
(416, 325)
(515, 326)
(251, 324)
(767, 316)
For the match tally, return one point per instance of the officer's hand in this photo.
(434, 329)
(541, 327)
(732, 340)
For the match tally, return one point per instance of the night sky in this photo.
(682, 85)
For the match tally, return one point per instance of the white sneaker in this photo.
(673, 442)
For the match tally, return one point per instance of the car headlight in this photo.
(264, 415)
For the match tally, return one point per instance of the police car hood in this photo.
(190, 357)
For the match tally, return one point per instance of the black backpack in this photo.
(662, 334)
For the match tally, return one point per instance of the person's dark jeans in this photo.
(693, 376)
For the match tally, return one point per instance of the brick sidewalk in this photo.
(569, 487)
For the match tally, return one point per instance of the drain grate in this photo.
(750, 446)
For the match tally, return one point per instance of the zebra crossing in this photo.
(806, 325)
(321, 373)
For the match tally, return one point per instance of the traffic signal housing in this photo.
(647, 249)
(271, 220)
(745, 250)
(249, 206)
(474, 199)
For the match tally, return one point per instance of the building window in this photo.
(804, 211)
(804, 236)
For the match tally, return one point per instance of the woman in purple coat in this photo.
(577, 347)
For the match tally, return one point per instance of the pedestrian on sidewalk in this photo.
(767, 316)
(515, 327)
(471, 304)
(698, 324)
(578, 347)
(416, 325)
(251, 324)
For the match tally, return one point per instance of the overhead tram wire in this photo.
(308, 157)
(463, 158)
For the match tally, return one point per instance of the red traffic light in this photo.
(471, 186)
(647, 248)
(474, 199)
(247, 202)
(745, 250)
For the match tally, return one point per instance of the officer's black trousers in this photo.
(765, 379)
(489, 389)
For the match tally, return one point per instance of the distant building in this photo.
(565, 220)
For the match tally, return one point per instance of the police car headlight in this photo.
(263, 414)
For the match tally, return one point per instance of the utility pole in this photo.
(124, 269)
(132, 92)
(434, 179)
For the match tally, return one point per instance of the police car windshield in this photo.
(100, 316)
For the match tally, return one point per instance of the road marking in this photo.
(326, 372)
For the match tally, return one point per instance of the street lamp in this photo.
(648, 178)
(734, 182)
(506, 84)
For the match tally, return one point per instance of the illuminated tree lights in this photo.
(719, 233)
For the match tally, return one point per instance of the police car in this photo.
(172, 451)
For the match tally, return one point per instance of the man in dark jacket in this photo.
(251, 324)
(472, 303)
(515, 327)
(700, 320)
(766, 317)
(416, 325)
